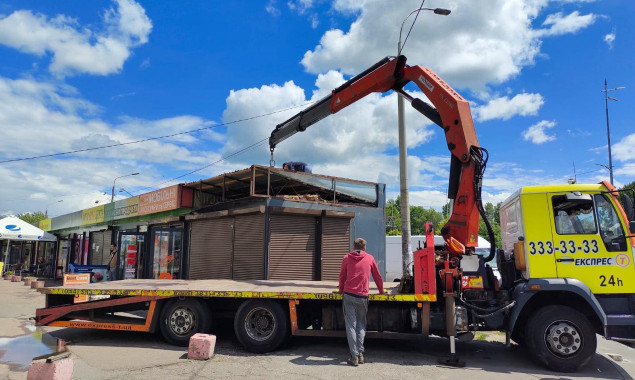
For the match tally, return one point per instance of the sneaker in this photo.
(360, 359)
(353, 361)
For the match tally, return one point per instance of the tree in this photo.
(492, 213)
(631, 187)
(393, 218)
(33, 218)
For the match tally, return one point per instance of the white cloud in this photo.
(39, 118)
(474, 46)
(557, 24)
(272, 8)
(370, 125)
(504, 108)
(300, 6)
(537, 133)
(77, 49)
(610, 38)
(624, 150)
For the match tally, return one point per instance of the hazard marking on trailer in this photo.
(238, 294)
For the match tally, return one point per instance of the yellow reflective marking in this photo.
(236, 294)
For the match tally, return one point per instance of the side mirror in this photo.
(631, 226)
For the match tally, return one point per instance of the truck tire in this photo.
(180, 319)
(561, 338)
(261, 326)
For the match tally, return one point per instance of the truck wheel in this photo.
(561, 338)
(261, 326)
(180, 319)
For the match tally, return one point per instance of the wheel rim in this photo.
(260, 324)
(563, 338)
(182, 320)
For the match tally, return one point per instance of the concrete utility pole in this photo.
(404, 207)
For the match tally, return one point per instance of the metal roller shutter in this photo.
(211, 249)
(291, 247)
(100, 247)
(336, 243)
(249, 247)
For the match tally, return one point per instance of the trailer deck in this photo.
(289, 289)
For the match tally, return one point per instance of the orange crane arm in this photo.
(451, 112)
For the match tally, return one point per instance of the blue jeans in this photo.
(355, 310)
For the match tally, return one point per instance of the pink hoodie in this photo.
(355, 273)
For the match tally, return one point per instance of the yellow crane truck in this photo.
(566, 263)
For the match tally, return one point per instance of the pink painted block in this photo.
(201, 346)
(16, 278)
(37, 284)
(58, 370)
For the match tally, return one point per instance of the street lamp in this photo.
(122, 190)
(608, 131)
(46, 212)
(406, 247)
(112, 193)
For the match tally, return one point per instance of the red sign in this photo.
(131, 261)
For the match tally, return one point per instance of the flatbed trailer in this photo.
(264, 312)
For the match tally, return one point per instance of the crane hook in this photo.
(272, 162)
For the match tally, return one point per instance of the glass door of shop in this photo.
(131, 248)
(165, 253)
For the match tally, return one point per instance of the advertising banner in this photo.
(126, 208)
(77, 279)
(93, 215)
(159, 200)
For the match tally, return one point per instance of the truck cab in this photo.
(568, 249)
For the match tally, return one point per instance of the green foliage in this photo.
(33, 218)
(419, 216)
(631, 187)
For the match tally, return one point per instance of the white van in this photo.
(393, 253)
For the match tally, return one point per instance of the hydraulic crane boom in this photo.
(451, 112)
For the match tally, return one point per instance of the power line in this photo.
(153, 138)
(411, 26)
(252, 146)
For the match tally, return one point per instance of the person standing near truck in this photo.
(112, 263)
(357, 266)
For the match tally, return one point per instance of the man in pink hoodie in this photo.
(354, 280)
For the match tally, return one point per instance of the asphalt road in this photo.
(117, 355)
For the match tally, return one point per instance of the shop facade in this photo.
(257, 223)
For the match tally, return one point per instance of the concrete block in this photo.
(57, 370)
(16, 278)
(201, 346)
(37, 284)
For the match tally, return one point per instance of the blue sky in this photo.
(78, 74)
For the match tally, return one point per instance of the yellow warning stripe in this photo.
(237, 294)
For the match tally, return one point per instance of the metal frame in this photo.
(54, 316)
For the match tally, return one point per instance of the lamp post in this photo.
(46, 212)
(608, 131)
(406, 247)
(112, 193)
(122, 190)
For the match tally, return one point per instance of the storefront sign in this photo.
(159, 200)
(77, 279)
(93, 215)
(125, 208)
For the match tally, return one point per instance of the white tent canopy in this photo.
(13, 228)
